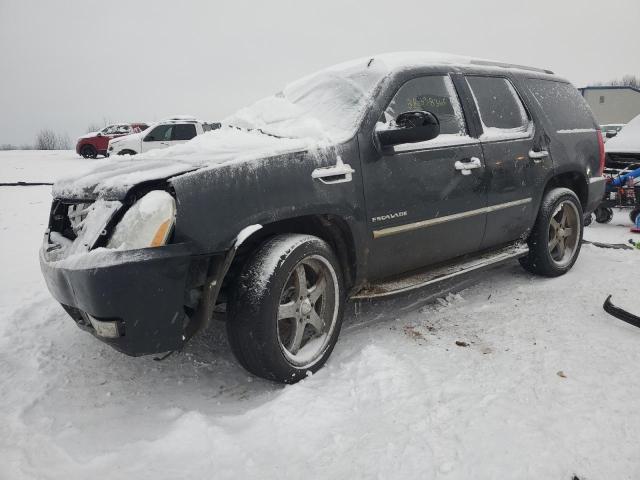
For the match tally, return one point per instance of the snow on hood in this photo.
(627, 140)
(88, 135)
(113, 177)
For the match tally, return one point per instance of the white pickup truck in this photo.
(163, 134)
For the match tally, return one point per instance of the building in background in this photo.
(613, 104)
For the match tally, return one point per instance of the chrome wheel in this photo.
(564, 233)
(308, 310)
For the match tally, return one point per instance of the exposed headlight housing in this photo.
(148, 223)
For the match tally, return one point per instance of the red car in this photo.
(95, 143)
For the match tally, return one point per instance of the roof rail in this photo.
(488, 63)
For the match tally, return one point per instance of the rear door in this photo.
(421, 207)
(515, 154)
(183, 132)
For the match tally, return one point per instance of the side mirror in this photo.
(411, 127)
(611, 133)
(99, 134)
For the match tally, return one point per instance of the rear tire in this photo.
(285, 309)
(554, 243)
(88, 152)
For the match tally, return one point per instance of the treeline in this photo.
(625, 81)
(46, 139)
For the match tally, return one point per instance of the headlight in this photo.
(147, 223)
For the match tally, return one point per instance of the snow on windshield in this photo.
(327, 105)
(627, 140)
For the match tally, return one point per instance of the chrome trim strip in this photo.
(385, 232)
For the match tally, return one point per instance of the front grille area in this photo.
(67, 218)
(77, 213)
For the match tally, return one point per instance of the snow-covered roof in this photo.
(627, 140)
(401, 60)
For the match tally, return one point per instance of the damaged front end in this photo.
(113, 267)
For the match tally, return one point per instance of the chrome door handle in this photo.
(339, 173)
(533, 155)
(466, 167)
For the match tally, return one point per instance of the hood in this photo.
(114, 177)
(126, 138)
(88, 135)
(627, 140)
(112, 180)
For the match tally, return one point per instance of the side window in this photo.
(499, 106)
(109, 130)
(562, 104)
(435, 94)
(162, 133)
(184, 131)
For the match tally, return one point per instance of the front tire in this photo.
(126, 152)
(554, 243)
(88, 152)
(285, 309)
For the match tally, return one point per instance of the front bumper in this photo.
(140, 293)
(595, 195)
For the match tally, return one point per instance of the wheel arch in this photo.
(574, 180)
(333, 229)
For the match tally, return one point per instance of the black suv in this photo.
(368, 179)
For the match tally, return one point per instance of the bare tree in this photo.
(625, 81)
(8, 146)
(47, 139)
(63, 142)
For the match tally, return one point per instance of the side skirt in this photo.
(432, 276)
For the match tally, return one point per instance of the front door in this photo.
(158, 137)
(514, 155)
(425, 201)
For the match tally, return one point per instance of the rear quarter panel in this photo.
(573, 146)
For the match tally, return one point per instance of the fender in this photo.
(215, 275)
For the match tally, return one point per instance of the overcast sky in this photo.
(67, 64)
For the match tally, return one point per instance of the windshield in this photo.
(327, 105)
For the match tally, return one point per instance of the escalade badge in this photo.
(389, 216)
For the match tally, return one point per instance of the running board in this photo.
(431, 276)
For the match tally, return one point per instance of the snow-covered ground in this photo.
(547, 388)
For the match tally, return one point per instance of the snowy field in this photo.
(547, 387)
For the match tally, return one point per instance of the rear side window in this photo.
(562, 104)
(184, 131)
(501, 111)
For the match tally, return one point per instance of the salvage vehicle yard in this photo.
(516, 373)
